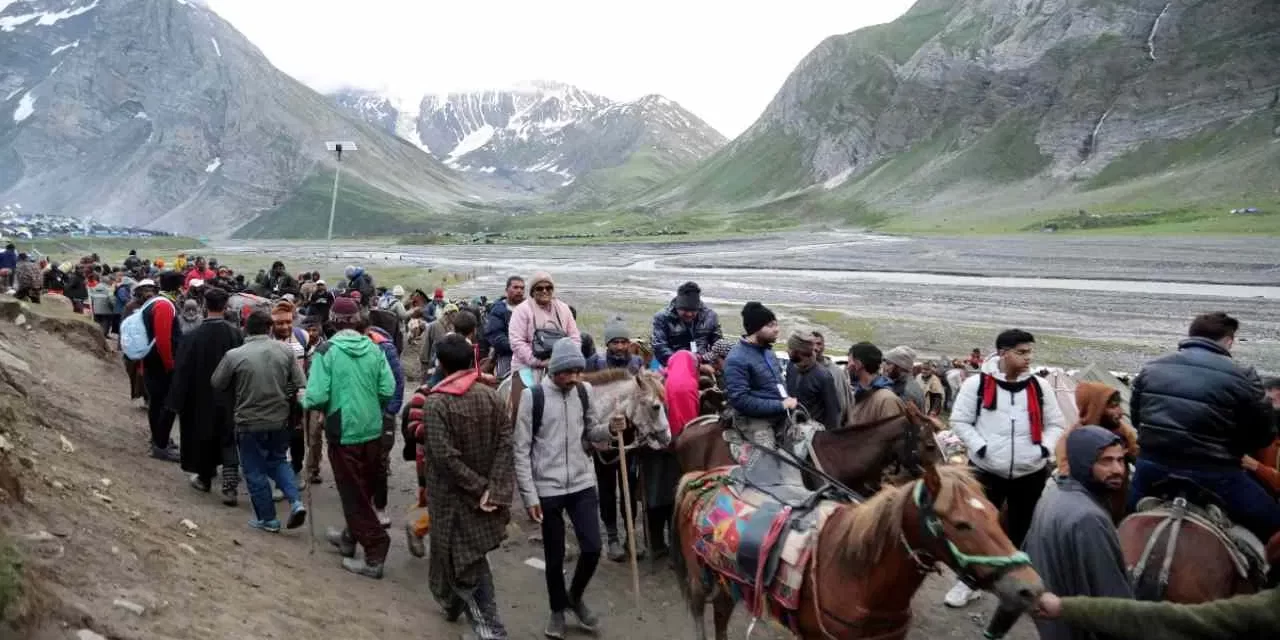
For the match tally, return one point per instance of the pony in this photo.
(870, 559)
(617, 393)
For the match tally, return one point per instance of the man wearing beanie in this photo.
(556, 478)
(754, 384)
(351, 383)
(898, 363)
(686, 324)
(617, 354)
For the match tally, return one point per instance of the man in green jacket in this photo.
(1246, 617)
(351, 383)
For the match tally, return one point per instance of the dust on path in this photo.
(123, 539)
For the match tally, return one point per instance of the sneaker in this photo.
(417, 546)
(270, 526)
(555, 626)
(168, 454)
(230, 497)
(358, 567)
(614, 550)
(961, 595)
(345, 547)
(277, 495)
(200, 484)
(297, 515)
(384, 519)
(586, 619)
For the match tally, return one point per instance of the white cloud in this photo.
(723, 60)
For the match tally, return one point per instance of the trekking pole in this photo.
(631, 529)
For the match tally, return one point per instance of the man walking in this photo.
(352, 383)
(1072, 542)
(498, 323)
(839, 375)
(294, 339)
(160, 317)
(468, 437)
(265, 377)
(898, 363)
(382, 338)
(810, 383)
(555, 477)
(1010, 423)
(436, 331)
(207, 422)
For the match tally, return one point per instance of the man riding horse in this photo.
(757, 394)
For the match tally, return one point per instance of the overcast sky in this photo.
(722, 59)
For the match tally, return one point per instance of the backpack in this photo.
(540, 400)
(133, 333)
(241, 305)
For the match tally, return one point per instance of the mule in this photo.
(865, 562)
(639, 399)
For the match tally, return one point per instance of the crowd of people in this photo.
(264, 377)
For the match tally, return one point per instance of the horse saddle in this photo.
(1179, 497)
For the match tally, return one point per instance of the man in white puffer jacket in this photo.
(1010, 422)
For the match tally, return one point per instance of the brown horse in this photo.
(1202, 567)
(857, 455)
(870, 559)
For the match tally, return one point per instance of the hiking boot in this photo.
(339, 539)
(454, 611)
(358, 567)
(297, 515)
(614, 550)
(230, 497)
(168, 454)
(417, 546)
(384, 519)
(201, 485)
(270, 526)
(961, 595)
(586, 618)
(555, 626)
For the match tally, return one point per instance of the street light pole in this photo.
(337, 147)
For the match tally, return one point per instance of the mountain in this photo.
(991, 112)
(547, 138)
(158, 113)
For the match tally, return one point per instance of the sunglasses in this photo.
(545, 287)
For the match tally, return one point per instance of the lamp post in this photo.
(336, 146)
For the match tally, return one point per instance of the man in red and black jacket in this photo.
(161, 319)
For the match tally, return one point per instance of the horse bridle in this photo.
(932, 531)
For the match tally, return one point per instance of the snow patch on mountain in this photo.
(216, 48)
(213, 166)
(44, 18)
(64, 48)
(26, 107)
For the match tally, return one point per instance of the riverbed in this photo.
(1116, 301)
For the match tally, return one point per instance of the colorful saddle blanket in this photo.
(758, 545)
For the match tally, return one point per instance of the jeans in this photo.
(1247, 502)
(581, 507)
(262, 456)
(158, 415)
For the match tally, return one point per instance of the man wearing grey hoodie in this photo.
(555, 476)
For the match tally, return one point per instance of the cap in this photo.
(146, 282)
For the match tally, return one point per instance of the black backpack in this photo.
(540, 400)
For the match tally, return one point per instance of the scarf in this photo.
(1035, 399)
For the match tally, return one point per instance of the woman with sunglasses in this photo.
(536, 324)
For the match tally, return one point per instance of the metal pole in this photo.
(333, 205)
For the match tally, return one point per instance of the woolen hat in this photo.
(755, 316)
(344, 310)
(566, 356)
(616, 329)
(903, 357)
(689, 297)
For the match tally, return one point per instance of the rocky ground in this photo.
(117, 544)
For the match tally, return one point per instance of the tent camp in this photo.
(1094, 373)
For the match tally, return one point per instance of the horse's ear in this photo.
(932, 480)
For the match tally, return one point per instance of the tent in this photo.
(1095, 373)
(1064, 389)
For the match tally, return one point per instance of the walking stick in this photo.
(311, 515)
(631, 529)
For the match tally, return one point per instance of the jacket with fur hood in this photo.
(999, 440)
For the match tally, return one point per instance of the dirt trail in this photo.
(103, 522)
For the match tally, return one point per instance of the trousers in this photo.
(1019, 495)
(581, 509)
(159, 418)
(1247, 502)
(356, 471)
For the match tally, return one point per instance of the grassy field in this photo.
(112, 250)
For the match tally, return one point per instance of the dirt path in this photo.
(104, 523)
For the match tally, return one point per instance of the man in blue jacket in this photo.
(498, 322)
(754, 383)
(686, 324)
(1198, 413)
(383, 339)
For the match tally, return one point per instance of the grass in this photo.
(11, 577)
(112, 250)
(1159, 156)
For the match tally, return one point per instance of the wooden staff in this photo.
(626, 509)
(311, 515)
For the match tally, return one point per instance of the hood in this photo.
(1092, 399)
(991, 366)
(879, 382)
(683, 366)
(1083, 445)
(353, 344)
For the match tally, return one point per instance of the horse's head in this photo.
(954, 523)
(646, 409)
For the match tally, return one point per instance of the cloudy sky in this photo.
(722, 59)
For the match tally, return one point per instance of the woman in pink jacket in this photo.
(542, 311)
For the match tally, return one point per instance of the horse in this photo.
(1180, 551)
(640, 399)
(865, 562)
(855, 455)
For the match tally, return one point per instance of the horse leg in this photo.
(696, 598)
(722, 606)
